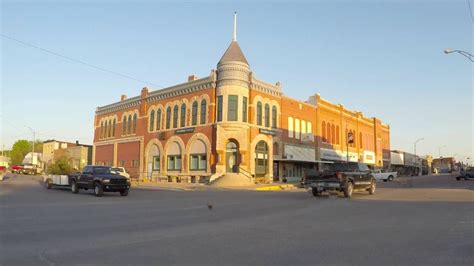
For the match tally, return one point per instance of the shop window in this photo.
(198, 162)
(135, 163)
(174, 162)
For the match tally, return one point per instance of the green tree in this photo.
(19, 150)
(60, 167)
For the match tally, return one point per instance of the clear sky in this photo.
(384, 58)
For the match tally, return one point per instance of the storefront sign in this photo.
(369, 157)
(268, 131)
(337, 155)
(184, 130)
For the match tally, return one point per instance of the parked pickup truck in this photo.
(384, 176)
(466, 173)
(101, 179)
(342, 177)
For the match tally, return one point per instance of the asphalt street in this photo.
(405, 223)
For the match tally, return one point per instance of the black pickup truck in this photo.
(100, 179)
(345, 177)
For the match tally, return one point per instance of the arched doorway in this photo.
(153, 160)
(231, 161)
(261, 158)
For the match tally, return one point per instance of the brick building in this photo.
(232, 126)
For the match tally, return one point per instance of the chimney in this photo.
(77, 143)
(123, 97)
(144, 92)
(192, 77)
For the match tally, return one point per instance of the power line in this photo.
(78, 61)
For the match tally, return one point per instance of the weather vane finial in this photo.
(235, 27)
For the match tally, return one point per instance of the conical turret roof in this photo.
(233, 53)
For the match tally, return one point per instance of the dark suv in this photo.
(466, 173)
(100, 179)
(345, 177)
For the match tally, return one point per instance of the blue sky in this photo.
(382, 58)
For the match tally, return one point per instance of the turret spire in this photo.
(234, 38)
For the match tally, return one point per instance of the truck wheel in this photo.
(390, 178)
(49, 184)
(124, 192)
(98, 190)
(74, 188)
(315, 192)
(372, 188)
(348, 188)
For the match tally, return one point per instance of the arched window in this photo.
(290, 127)
(259, 113)
(333, 132)
(152, 120)
(109, 130)
(106, 127)
(360, 140)
(183, 115)
(101, 130)
(135, 123)
(267, 115)
(175, 116)
(194, 113)
(113, 128)
(129, 125)
(203, 111)
(323, 131)
(168, 117)
(274, 117)
(158, 119)
(124, 125)
(337, 135)
(328, 132)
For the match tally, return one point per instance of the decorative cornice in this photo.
(265, 87)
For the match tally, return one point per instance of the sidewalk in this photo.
(195, 187)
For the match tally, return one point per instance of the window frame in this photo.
(199, 160)
(194, 113)
(203, 117)
(219, 108)
(232, 114)
(244, 108)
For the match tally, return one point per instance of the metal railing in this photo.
(246, 173)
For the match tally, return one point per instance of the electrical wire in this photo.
(78, 61)
(470, 10)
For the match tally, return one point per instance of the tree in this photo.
(19, 150)
(60, 166)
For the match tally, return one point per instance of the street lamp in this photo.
(463, 53)
(416, 159)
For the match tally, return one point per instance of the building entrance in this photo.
(232, 152)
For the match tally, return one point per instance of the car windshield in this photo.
(117, 170)
(102, 170)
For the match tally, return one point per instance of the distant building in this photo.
(444, 165)
(407, 164)
(77, 154)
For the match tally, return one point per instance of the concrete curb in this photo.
(276, 188)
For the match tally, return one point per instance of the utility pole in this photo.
(416, 159)
(34, 140)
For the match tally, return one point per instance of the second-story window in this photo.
(259, 113)
(194, 113)
(203, 112)
(232, 108)
(244, 109)
(129, 125)
(158, 119)
(113, 128)
(168, 117)
(152, 120)
(274, 117)
(290, 127)
(135, 123)
(175, 116)
(219, 108)
(124, 126)
(183, 115)
(267, 115)
(101, 130)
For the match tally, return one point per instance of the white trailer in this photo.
(56, 180)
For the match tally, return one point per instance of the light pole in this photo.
(34, 140)
(463, 53)
(439, 150)
(416, 159)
